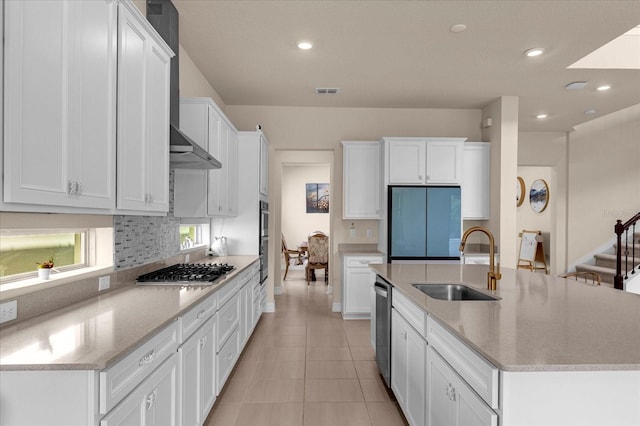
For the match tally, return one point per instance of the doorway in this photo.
(296, 169)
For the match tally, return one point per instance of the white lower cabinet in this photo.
(451, 402)
(357, 281)
(153, 403)
(197, 375)
(408, 353)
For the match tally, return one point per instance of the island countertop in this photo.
(540, 322)
(93, 334)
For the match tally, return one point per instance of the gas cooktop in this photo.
(196, 274)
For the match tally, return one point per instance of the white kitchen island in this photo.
(549, 351)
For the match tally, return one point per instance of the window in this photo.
(193, 235)
(22, 250)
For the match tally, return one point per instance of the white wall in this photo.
(296, 222)
(503, 136)
(603, 179)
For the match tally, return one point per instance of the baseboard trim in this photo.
(337, 307)
(270, 307)
(277, 290)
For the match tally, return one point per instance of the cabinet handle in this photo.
(151, 398)
(451, 392)
(420, 177)
(72, 187)
(203, 342)
(230, 357)
(404, 335)
(148, 358)
(200, 314)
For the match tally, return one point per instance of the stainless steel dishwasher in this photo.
(383, 328)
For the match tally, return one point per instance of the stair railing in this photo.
(625, 228)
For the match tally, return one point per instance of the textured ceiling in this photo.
(401, 54)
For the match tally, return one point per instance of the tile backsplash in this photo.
(139, 240)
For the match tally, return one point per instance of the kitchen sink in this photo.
(452, 292)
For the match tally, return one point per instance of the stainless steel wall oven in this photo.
(263, 243)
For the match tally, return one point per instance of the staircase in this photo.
(605, 263)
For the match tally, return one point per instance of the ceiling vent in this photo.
(327, 90)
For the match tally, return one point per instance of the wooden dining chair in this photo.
(318, 255)
(587, 277)
(289, 255)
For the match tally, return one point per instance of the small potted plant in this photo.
(44, 269)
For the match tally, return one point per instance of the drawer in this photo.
(226, 359)
(409, 311)
(226, 292)
(155, 397)
(120, 379)
(361, 261)
(473, 368)
(197, 316)
(228, 318)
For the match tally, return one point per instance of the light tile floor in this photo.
(305, 366)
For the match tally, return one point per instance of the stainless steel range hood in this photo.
(184, 152)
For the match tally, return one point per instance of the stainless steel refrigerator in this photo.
(424, 223)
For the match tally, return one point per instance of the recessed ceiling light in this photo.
(305, 45)
(458, 28)
(603, 88)
(534, 51)
(541, 116)
(590, 111)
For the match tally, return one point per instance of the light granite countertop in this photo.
(540, 323)
(94, 334)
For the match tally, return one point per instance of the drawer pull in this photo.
(151, 398)
(451, 392)
(230, 357)
(148, 358)
(200, 314)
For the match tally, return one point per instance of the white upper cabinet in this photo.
(476, 181)
(202, 193)
(143, 114)
(362, 180)
(424, 161)
(60, 103)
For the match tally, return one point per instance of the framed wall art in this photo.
(539, 195)
(520, 192)
(317, 197)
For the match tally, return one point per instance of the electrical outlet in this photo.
(8, 311)
(186, 258)
(369, 233)
(104, 283)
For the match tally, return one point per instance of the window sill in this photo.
(20, 288)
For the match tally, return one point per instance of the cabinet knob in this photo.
(200, 314)
(404, 335)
